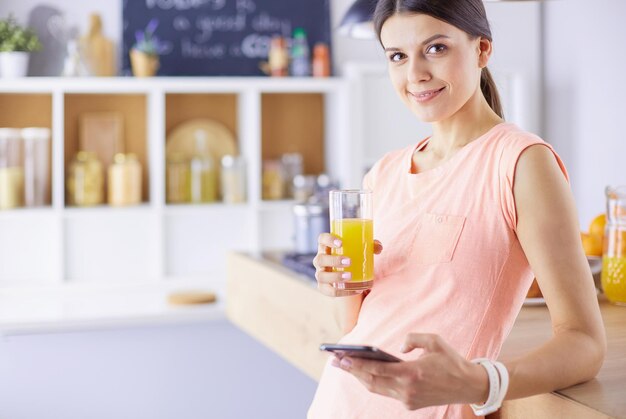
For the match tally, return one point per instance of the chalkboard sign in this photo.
(221, 37)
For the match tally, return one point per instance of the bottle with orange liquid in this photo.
(351, 220)
(614, 248)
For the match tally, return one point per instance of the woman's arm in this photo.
(328, 276)
(548, 230)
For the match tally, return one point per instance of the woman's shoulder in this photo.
(511, 136)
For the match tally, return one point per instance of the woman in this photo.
(467, 218)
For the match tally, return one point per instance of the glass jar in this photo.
(85, 183)
(614, 247)
(273, 180)
(233, 179)
(292, 167)
(36, 166)
(304, 187)
(124, 180)
(203, 171)
(11, 170)
(178, 178)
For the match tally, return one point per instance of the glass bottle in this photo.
(85, 183)
(11, 170)
(300, 54)
(614, 247)
(178, 179)
(321, 60)
(233, 179)
(278, 57)
(124, 180)
(36, 166)
(203, 185)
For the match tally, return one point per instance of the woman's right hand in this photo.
(329, 281)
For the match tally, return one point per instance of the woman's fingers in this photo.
(329, 240)
(330, 261)
(332, 277)
(378, 247)
(376, 376)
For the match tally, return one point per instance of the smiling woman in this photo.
(466, 217)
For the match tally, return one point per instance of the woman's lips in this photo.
(426, 97)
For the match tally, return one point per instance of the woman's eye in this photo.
(439, 48)
(396, 56)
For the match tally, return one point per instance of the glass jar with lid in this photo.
(85, 183)
(273, 180)
(124, 180)
(36, 141)
(178, 178)
(233, 179)
(11, 169)
(614, 247)
(203, 172)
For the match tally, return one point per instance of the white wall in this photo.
(585, 95)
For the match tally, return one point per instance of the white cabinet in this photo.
(155, 241)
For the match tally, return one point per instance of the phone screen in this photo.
(359, 351)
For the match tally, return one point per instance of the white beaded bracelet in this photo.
(498, 386)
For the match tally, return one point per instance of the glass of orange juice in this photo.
(351, 220)
(614, 249)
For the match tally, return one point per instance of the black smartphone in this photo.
(359, 351)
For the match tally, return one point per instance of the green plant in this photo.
(14, 37)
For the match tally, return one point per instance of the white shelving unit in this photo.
(155, 241)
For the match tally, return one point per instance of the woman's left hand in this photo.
(439, 376)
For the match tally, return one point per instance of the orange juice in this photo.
(614, 279)
(357, 236)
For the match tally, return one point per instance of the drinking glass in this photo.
(351, 220)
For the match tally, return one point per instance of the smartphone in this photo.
(359, 351)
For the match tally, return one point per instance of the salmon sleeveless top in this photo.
(452, 265)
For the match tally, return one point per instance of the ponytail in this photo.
(490, 91)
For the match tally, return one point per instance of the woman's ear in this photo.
(484, 52)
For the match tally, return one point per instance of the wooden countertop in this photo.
(285, 311)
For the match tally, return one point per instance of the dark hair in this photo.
(467, 15)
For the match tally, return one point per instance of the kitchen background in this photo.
(559, 71)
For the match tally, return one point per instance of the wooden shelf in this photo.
(28, 110)
(268, 117)
(181, 107)
(132, 107)
(294, 123)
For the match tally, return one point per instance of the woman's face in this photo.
(450, 65)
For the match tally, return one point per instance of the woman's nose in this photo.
(417, 72)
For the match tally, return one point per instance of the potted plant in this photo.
(144, 55)
(16, 43)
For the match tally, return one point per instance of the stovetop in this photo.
(301, 263)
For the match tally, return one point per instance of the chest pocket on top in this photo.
(437, 238)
